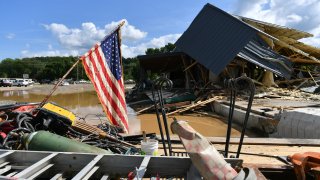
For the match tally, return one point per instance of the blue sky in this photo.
(70, 27)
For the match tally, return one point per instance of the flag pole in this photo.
(115, 29)
(119, 43)
(45, 100)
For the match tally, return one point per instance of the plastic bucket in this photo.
(149, 147)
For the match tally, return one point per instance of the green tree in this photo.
(167, 48)
(40, 68)
(130, 68)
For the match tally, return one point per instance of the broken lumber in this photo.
(292, 81)
(313, 78)
(301, 84)
(145, 109)
(194, 105)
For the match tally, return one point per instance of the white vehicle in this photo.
(65, 83)
(21, 82)
(82, 82)
(30, 81)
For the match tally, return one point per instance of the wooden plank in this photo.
(313, 78)
(184, 64)
(305, 61)
(190, 66)
(301, 84)
(177, 104)
(144, 109)
(194, 105)
(292, 81)
(259, 141)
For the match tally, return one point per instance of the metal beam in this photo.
(40, 172)
(143, 167)
(87, 168)
(57, 176)
(89, 174)
(3, 156)
(35, 167)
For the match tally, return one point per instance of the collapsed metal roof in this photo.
(258, 52)
(215, 38)
(289, 36)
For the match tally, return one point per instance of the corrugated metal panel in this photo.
(214, 38)
(258, 52)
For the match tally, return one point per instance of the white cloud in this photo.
(10, 36)
(23, 52)
(300, 14)
(85, 37)
(294, 18)
(27, 53)
(132, 51)
(128, 32)
(314, 40)
(127, 51)
(77, 41)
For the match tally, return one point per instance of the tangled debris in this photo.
(286, 94)
(20, 120)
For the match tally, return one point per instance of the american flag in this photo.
(103, 67)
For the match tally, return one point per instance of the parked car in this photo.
(82, 82)
(45, 81)
(21, 82)
(64, 83)
(5, 83)
(30, 82)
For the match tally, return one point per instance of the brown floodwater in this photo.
(86, 104)
(207, 126)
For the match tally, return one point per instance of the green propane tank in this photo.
(46, 141)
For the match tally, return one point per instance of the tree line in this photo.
(40, 68)
(51, 68)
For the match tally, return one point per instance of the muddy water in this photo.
(86, 104)
(207, 126)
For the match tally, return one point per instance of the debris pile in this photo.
(53, 128)
(206, 55)
(286, 94)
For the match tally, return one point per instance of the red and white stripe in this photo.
(110, 90)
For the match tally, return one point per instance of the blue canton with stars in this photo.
(110, 48)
